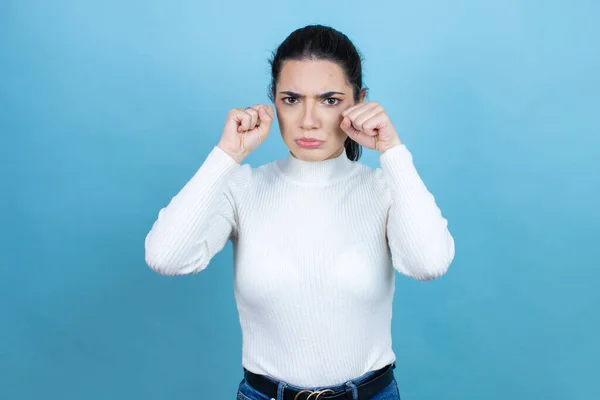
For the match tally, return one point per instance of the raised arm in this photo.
(199, 220)
(418, 236)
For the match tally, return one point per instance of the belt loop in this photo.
(280, 390)
(351, 391)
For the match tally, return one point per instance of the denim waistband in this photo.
(337, 388)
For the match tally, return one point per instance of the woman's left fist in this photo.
(368, 125)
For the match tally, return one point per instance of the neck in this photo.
(334, 155)
(338, 166)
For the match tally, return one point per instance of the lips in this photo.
(309, 143)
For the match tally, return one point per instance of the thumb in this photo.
(255, 137)
(266, 119)
(347, 127)
(233, 122)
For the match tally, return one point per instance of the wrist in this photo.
(237, 157)
(395, 143)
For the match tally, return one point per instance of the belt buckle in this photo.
(319, 393)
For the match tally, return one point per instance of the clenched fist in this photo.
(245, 129)
(369, 125)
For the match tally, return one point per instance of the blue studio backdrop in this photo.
(108, 107)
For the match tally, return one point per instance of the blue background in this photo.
(107, 108)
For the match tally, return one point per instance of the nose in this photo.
(309, 117)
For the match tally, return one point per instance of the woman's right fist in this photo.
(245, 130)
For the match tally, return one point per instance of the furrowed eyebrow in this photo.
(319, 96)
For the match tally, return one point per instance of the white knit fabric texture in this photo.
(315, 246)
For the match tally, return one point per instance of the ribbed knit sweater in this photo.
(315, 248)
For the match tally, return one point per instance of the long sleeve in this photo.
(420, 243)
(199, 220)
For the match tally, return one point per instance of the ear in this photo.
(363, 95)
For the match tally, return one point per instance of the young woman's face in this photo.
(310, 98)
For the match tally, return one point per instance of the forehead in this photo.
(311, 76)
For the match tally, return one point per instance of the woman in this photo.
(316, 235)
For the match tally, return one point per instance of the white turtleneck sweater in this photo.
(313, 276)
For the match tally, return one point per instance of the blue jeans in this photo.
(390, 392)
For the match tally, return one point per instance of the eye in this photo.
(289, 100)
(332, 101)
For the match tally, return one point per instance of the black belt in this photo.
(376, 383)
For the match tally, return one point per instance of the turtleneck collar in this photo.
(316, 172)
